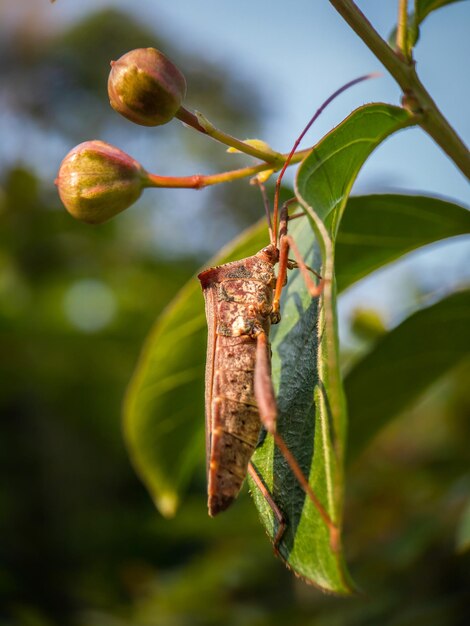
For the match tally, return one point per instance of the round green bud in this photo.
(146, 87)
(96, 181)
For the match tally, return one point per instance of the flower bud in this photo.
(146, 87)
(97, 181)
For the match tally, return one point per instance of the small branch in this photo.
(190, 119)
(429, 116)
(402, 29)
(204, 126)
(198, 181)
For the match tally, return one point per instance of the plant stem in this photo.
(429, 116)
(187, 117)
(198, 181)
(402, 29)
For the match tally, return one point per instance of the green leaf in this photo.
(305, 366)
(404, 363)
(330, 170)
(424, 7)
(164, 407)
(378, 229)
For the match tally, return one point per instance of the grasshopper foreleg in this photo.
(287, 243)
(314, 289)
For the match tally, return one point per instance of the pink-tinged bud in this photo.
(96, 181)
(145, 87)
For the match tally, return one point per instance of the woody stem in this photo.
(429, 117)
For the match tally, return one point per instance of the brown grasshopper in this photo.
(242, 301)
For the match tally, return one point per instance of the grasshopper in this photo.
(242, 301)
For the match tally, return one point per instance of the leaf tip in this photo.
(167, 503)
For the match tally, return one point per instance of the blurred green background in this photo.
(81, 543)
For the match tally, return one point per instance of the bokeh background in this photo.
(81, 543)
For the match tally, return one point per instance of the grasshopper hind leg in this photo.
(266, 400)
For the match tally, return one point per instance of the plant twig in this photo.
(189, 118)
(416, 96)
(198, 181)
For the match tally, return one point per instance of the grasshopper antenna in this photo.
(346, 86)
(267, 210)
